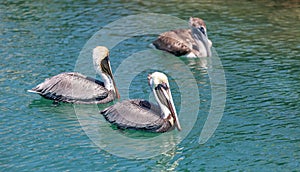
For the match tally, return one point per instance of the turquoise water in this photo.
(258, 43)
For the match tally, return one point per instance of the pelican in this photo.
(73, 87)
(191, 42)
(140, 114)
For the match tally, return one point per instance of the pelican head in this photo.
(102, 66)
(199, 32)
(161, 89)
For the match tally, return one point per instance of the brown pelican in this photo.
(191, 42)
(73, 87)
(140, 114)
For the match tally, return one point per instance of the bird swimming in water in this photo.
(143, 115)
(73, 87)
(191, 42)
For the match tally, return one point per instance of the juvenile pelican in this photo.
(140, 114)
(73, 87)
(191, 42)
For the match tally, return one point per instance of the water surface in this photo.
(257, 41)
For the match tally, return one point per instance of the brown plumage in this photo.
(184, 42)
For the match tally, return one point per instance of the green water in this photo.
(258, 43)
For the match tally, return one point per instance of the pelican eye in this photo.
(202, 30)
(164, 85)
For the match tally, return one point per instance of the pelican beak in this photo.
(163, 93)
(201, 35)
(199, 32)
(106, 68)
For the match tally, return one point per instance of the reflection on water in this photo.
(257, 41)
(120, 143)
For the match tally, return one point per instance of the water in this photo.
(257, 41)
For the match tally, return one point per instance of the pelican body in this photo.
(143, 115)
(73, 87)
(191, 42)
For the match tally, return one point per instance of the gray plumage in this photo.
(137, 114)
(74, 87)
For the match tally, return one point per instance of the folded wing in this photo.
(136, 114)
(71, 87)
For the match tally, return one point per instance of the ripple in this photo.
(256, 41)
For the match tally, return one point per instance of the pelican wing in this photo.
(178, 42)
(136, 114)
(71, 87)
